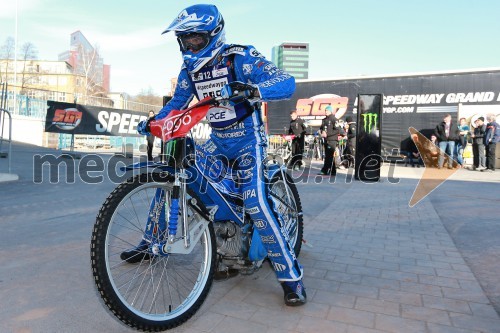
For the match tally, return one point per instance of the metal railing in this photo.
(7, 155)
(274, 142)
(3, 95)
(33, 102)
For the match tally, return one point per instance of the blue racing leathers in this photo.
(238, 134)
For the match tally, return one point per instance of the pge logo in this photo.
(67, 119)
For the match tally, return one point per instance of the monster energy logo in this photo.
(370, 121)
(170, 148)
(172, 151)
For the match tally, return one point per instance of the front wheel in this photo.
(286, 204)
(156, 292)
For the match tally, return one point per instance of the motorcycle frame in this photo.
(215, 206)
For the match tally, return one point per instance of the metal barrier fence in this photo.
(7, 154)
(274, 142)
(278, 146)
(33, 105)
(3, 95)
(34, 102)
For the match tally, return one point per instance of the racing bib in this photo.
(208, 83)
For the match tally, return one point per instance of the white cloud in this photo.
(142, 39)
(9, 7)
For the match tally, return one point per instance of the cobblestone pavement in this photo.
(373, 265)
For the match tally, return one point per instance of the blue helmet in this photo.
(200, 33)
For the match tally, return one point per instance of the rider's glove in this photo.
(143, 127)
(237, 91)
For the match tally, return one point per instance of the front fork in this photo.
(170, 222)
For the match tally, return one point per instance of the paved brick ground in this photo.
(375, 264)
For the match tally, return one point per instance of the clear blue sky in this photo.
(347, 38)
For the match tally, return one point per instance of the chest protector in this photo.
(209, 82)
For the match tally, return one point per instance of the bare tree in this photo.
(89, 65)
(6, 56)
(148, 97)
(28, 54)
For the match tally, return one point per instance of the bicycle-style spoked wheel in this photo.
(155, 292)
(285, 200)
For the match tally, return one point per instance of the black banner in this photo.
(368, 137)
(418, 101)
(91, 120)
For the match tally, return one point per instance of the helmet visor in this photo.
(194, 41)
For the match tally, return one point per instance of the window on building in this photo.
(51, 95)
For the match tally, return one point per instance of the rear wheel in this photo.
(158, 292)
(285, 153)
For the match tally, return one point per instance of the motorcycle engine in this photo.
(229, 239)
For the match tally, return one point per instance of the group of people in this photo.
(331, 132)
(452, 138)
(484, 141)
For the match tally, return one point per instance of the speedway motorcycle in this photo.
(190, 226)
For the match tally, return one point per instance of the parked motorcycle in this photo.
(189, 227)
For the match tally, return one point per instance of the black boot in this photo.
(136, 254)
(295, 293)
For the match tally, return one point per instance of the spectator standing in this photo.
(330, 131)
(491, 137)
(150, 138)
(447, 133)
(350, 148)
(462, 140)
(479, 160)
(298, 128)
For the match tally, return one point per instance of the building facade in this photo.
(293, 58)
(87, 62)
(40, 79)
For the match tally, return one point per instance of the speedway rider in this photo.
(213, 68)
